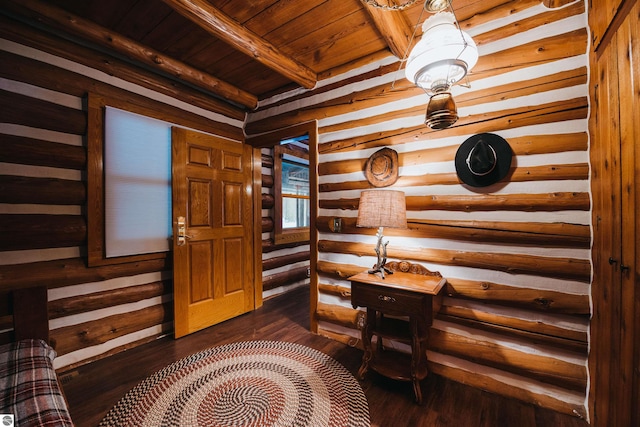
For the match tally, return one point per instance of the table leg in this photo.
(418, 366)
(367, 333)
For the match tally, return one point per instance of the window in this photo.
(294, 188)
(291, 188)
(128, 182)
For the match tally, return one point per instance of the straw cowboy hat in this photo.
(483, 159)
(381, 169)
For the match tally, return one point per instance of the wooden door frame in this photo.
(614, 327)
(256, 189)
(269, 140)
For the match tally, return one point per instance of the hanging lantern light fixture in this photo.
(434, 6)
(443, 56)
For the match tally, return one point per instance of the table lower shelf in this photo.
(395, 365)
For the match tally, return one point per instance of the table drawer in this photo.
(390, 301)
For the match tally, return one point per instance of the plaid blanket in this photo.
(29, 387)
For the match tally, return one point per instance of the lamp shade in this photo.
(382, 208)
(443, 56)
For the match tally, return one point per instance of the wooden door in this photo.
(614, 359)
(213, 222)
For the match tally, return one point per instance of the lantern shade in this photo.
(441, 111)
(382, 208)
(443, 56)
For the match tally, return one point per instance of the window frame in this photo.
(273, 138)
(96, 251)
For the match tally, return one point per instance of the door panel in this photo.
(213, 264)
(201, 271)
(233, 258)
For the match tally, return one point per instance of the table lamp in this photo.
(379, 209)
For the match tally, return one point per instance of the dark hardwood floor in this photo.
(93, 389)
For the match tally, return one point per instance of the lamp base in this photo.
(381, 251)
(380, 269)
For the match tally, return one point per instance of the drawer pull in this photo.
(386, 298)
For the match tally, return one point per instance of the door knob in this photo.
(182, 231)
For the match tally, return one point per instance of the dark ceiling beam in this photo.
(87, 30)
(393, 27)
(226, 29)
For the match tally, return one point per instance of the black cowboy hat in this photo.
(483, 159)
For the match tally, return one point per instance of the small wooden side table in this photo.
(409, 292)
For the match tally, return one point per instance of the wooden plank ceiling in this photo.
(240, 51)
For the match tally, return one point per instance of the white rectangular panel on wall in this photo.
(137, 167)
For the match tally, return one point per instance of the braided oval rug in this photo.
(253, 383)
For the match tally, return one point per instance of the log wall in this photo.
(93, 312)
(516, 255)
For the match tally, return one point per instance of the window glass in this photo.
(295, 192)
(137, 174)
